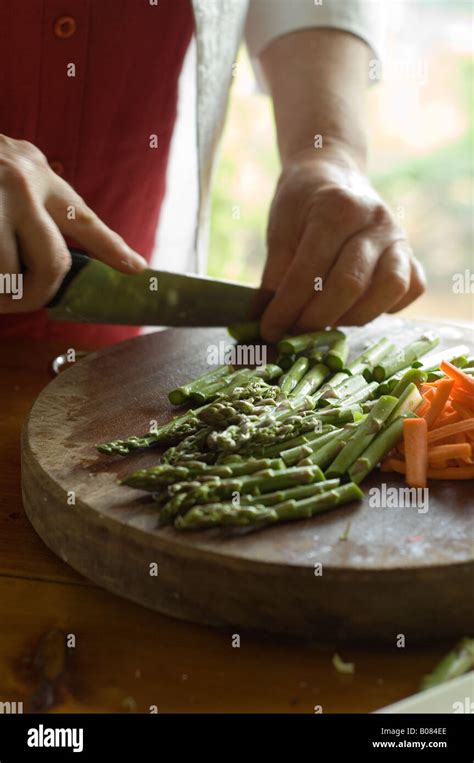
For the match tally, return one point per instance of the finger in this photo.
(416, 289)
(76, 220)
(11, 279)
(345, 284)
(46, 258)
(312, 260)
(389, 284)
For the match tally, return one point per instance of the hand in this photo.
(35, 207)
(327, 222)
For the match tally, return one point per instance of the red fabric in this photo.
(97, 125)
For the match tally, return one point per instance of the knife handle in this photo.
(79, 259)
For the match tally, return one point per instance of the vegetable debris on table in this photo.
(290, 440)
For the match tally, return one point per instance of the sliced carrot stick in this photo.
(438, 455)
(428, 393)
(467, 425)
(465, 398)
(461, 410)
(462, 380)
(423, 408)
(415, 438)
(452, 473)
(449, 418)
(438, 401)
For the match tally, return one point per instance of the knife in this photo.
(93, 292)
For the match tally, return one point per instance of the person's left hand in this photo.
(327, 222)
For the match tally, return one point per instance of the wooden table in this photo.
(120, 657)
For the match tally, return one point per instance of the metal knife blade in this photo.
(96, 293)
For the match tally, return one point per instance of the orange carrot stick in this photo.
(438, 401)
(465, 398)
(449, 418)
(452, 473)
(461, 379)
(438, 455)
(461, 410)
(451, 429)
(415, 438)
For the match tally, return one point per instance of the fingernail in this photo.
(137, 262)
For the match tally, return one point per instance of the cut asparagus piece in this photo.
(310, 381)
(378, 449)
(337, 354)
(409, 400)
(292, 456)
(371, 356)
(290, 380)
(404, 357)
(182, 394)
(228, 514)
(431, 362)
(292, 345)
(412, 376)
(358, 397)
(346, 388)
(363, 436)
(324, 455)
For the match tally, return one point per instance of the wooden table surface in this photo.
(66, 645)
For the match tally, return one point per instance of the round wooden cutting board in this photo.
(398, 571)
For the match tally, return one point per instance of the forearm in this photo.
(318, 80)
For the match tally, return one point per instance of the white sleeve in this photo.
(268, 19)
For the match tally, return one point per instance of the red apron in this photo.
(95, 128)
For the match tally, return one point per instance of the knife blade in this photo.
(93, 292)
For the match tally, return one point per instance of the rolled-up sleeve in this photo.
(269, 19)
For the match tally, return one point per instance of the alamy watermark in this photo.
(385, 497)
(12, 284)
(224, 353)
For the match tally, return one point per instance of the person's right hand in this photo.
(38, 208)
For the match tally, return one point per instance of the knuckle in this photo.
(381, 215)
(12, 172)
(353, 281)
(342, 204)
(84, 214)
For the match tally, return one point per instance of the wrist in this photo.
(351, 156)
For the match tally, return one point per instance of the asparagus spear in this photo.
(371, 356)
(412, 376)
(262, 482)
(338, 352)
(459, 661)
(363, 436)
(404, 357)
(292, 456)
(258, 515)
(296, 493)
(431, 362)
(378, 449)
(409, 401)
(325, 454)
(357, 397)
(166, 474)
(292, 345)
(206, 392)
(290, 380)
(182, 394)
(346, 388)
(310, 381)
(166, 434)
(333, 382)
